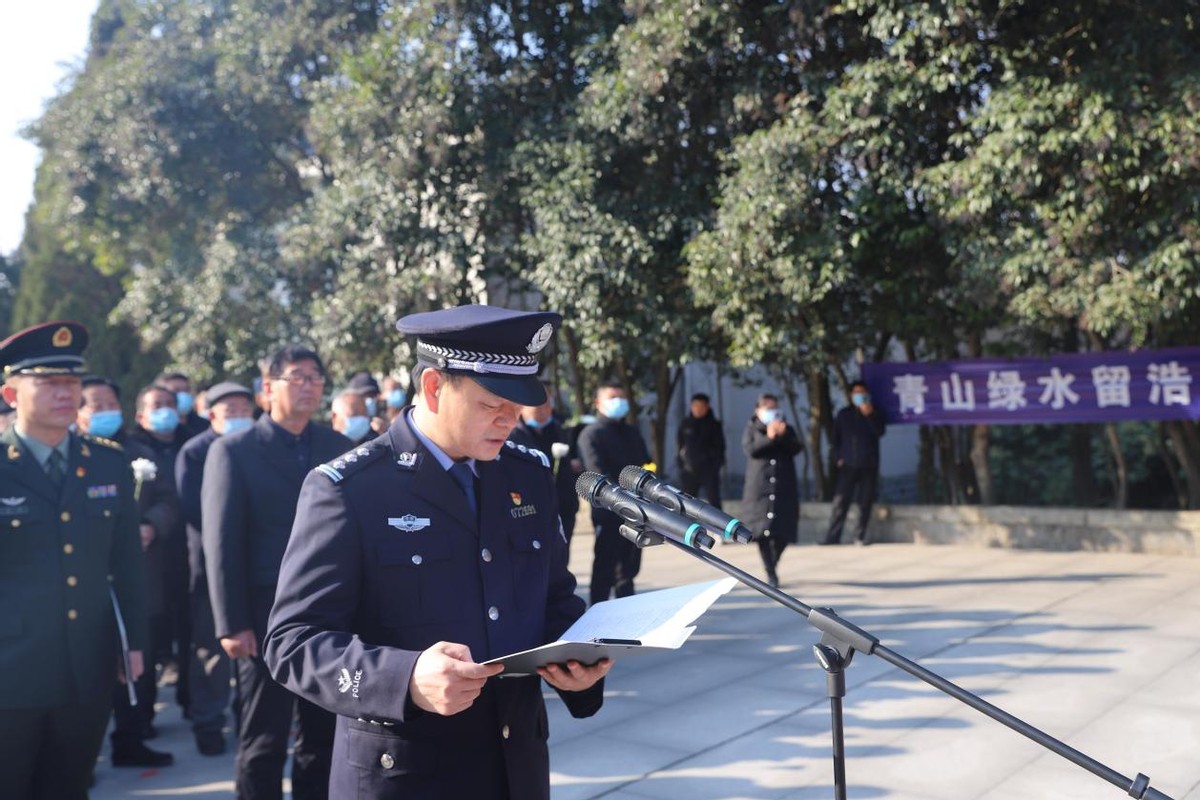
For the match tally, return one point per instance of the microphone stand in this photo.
(839, 641)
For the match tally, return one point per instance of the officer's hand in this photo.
(446, 680)
(241, 645)
(147, 532)
(136, 665)
(575, 677)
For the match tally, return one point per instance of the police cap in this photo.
(218, 392)
(496, 347)
(52, 348)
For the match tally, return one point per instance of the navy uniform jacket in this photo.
(386, 559)
(248, 495)
(58, 635)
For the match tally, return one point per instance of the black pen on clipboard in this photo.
(635, 642)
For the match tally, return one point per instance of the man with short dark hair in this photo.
(69, 522)
(700, 444)
(185, 402)
(231, 409)
(857, 429)
(248, 495)
(540, 427)
(607, 446)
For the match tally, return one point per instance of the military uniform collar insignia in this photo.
(407, 460)
(84, 450)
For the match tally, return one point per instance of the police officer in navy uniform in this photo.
(422, 554)
(248, 495)
(68, 532)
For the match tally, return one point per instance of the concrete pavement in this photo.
(1100, 650)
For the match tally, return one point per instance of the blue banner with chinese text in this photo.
(1069, 388)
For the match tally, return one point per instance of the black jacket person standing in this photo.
(771, 496)
(607, 446)
(423, 553)
(69, 527)
(248, 502)
(857, 430)
(700, 444)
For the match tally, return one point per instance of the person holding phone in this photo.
(857, 429)
(771, 494)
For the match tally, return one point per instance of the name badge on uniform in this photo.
(408, 523)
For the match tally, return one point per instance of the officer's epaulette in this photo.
(351, 461)
(513, 448)
(100, 440)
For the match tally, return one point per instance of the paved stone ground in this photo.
(1100, 650)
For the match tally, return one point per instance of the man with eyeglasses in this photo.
(248, 499)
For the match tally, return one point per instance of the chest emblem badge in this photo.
(408, 523)
(516, 498)
(12, 501)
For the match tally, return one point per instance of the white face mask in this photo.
(768, 415)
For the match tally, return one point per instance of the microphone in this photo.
(642, 483)
(600, 492)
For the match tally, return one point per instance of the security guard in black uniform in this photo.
(422, 553)
(68, 531)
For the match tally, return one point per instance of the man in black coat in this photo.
(423, 553)
(857, 429)
(248, 502)
(70, 531)
(700, 444)
(230, 407)
(771, 495)
(541, 429)
(607, 446)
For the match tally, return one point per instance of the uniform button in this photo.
(72, 614)
(493, 613)
(417, 559)
(65, 516)
(386, 761)
(16, 523)
(537, 545)
(68, 548)
(108, 512)
(72, 580)
(486, 555)
(772, 480)
(770, 515)
(504, 731)
(772, 462)
(770, 497)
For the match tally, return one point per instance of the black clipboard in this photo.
(527, 662)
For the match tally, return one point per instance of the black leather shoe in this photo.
(138, 755)
(210, 743)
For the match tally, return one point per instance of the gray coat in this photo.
(771, 496)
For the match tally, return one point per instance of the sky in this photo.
(41, 42)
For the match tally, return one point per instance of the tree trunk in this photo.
(1082, 479)
(948, 461)
(583, 401)
(1120, 473)
(926, 467)
(1186, 443)
(980, 460)
(1172, 465)
(816, 423)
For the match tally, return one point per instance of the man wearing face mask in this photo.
(349, 416)
(541, 429)
(159, 431)
(364, 384)
(185, 402)
(231, 409)
(771, 495)
(100, 414)
(397, 398)
(857, 429)
(607, 446)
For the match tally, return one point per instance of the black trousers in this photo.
(265, 711)
(131, 722)
(208, 669)
(49, 754)
(708, 482)
(771, 548)
(864, 479)
(616, 560)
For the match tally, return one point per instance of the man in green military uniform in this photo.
(68, 531)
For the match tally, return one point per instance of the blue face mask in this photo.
(105, 423)
(532, 422)
(615, 407)
(396, 398)
(372, 406)
(185, 402)
(356, 428)
(164, 420)
(859, 398)
(235, 424)
(769, 415)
